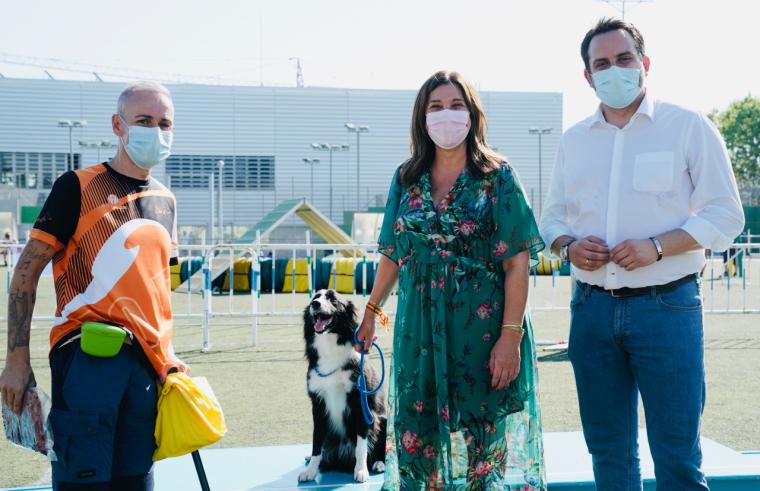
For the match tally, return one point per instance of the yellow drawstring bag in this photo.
(189, 417)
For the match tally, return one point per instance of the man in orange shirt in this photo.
(110, 230)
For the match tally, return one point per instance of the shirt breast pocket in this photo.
(653, 172)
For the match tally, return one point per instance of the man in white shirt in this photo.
(639, 190)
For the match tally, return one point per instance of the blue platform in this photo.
(568, 467)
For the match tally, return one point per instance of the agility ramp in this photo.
(319, 223)
(567, 461)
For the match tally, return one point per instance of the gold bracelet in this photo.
(514, 328)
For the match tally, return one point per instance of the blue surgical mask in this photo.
(148, 147)
(617, 87)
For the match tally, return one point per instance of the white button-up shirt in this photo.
(668, 168)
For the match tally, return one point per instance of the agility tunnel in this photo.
(285, 275)
(184, 269)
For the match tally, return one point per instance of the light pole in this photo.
(220, 165)
(330, 148)
(97, 145)
(540, 132)
(65, 123)
(358, 129)
(212, 203)
(311, 163)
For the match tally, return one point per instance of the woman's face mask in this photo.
(448, 128)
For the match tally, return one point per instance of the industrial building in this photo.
(335, 147)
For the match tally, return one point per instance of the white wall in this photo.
(282, 122)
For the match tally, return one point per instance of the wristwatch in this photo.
(657, 246)
(564, 250)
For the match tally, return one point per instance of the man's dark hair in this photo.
(608, 25)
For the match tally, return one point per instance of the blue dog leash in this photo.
(362, 381)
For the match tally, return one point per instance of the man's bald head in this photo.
(146, 104)
(144, 87)
(143, 105)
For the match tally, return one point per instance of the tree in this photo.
(740, 126)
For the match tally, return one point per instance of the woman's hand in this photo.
(366, 331)
(504, 364)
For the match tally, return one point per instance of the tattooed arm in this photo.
(18, 375)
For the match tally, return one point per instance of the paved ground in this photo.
(262, 388)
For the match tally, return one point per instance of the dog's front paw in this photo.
(312, 470)
(361, 474)
(310, 474)
(378, 466)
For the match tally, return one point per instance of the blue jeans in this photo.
(652, 345)
(103, 419)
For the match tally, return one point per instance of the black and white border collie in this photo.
(342, 440)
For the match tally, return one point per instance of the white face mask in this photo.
(147, 147)
(448, 128)
(617, 87)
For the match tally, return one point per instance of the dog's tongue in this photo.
(321, 324)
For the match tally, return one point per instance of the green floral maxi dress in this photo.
(447, 428)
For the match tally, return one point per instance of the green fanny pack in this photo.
(101, 339)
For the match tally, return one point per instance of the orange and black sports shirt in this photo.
(115, 238)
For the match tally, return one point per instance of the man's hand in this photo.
(180, 365)
(634, 254)
(18, 375)
(174, 364)
(15, 379)
(589, 253)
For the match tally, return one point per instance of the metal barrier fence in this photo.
(361, 254)
(730, 284)
(732, 271)
(722, 279)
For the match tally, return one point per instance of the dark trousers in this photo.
(103, 419)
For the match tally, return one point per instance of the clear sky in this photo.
(704, 53)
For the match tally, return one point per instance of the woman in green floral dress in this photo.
(459, 236)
